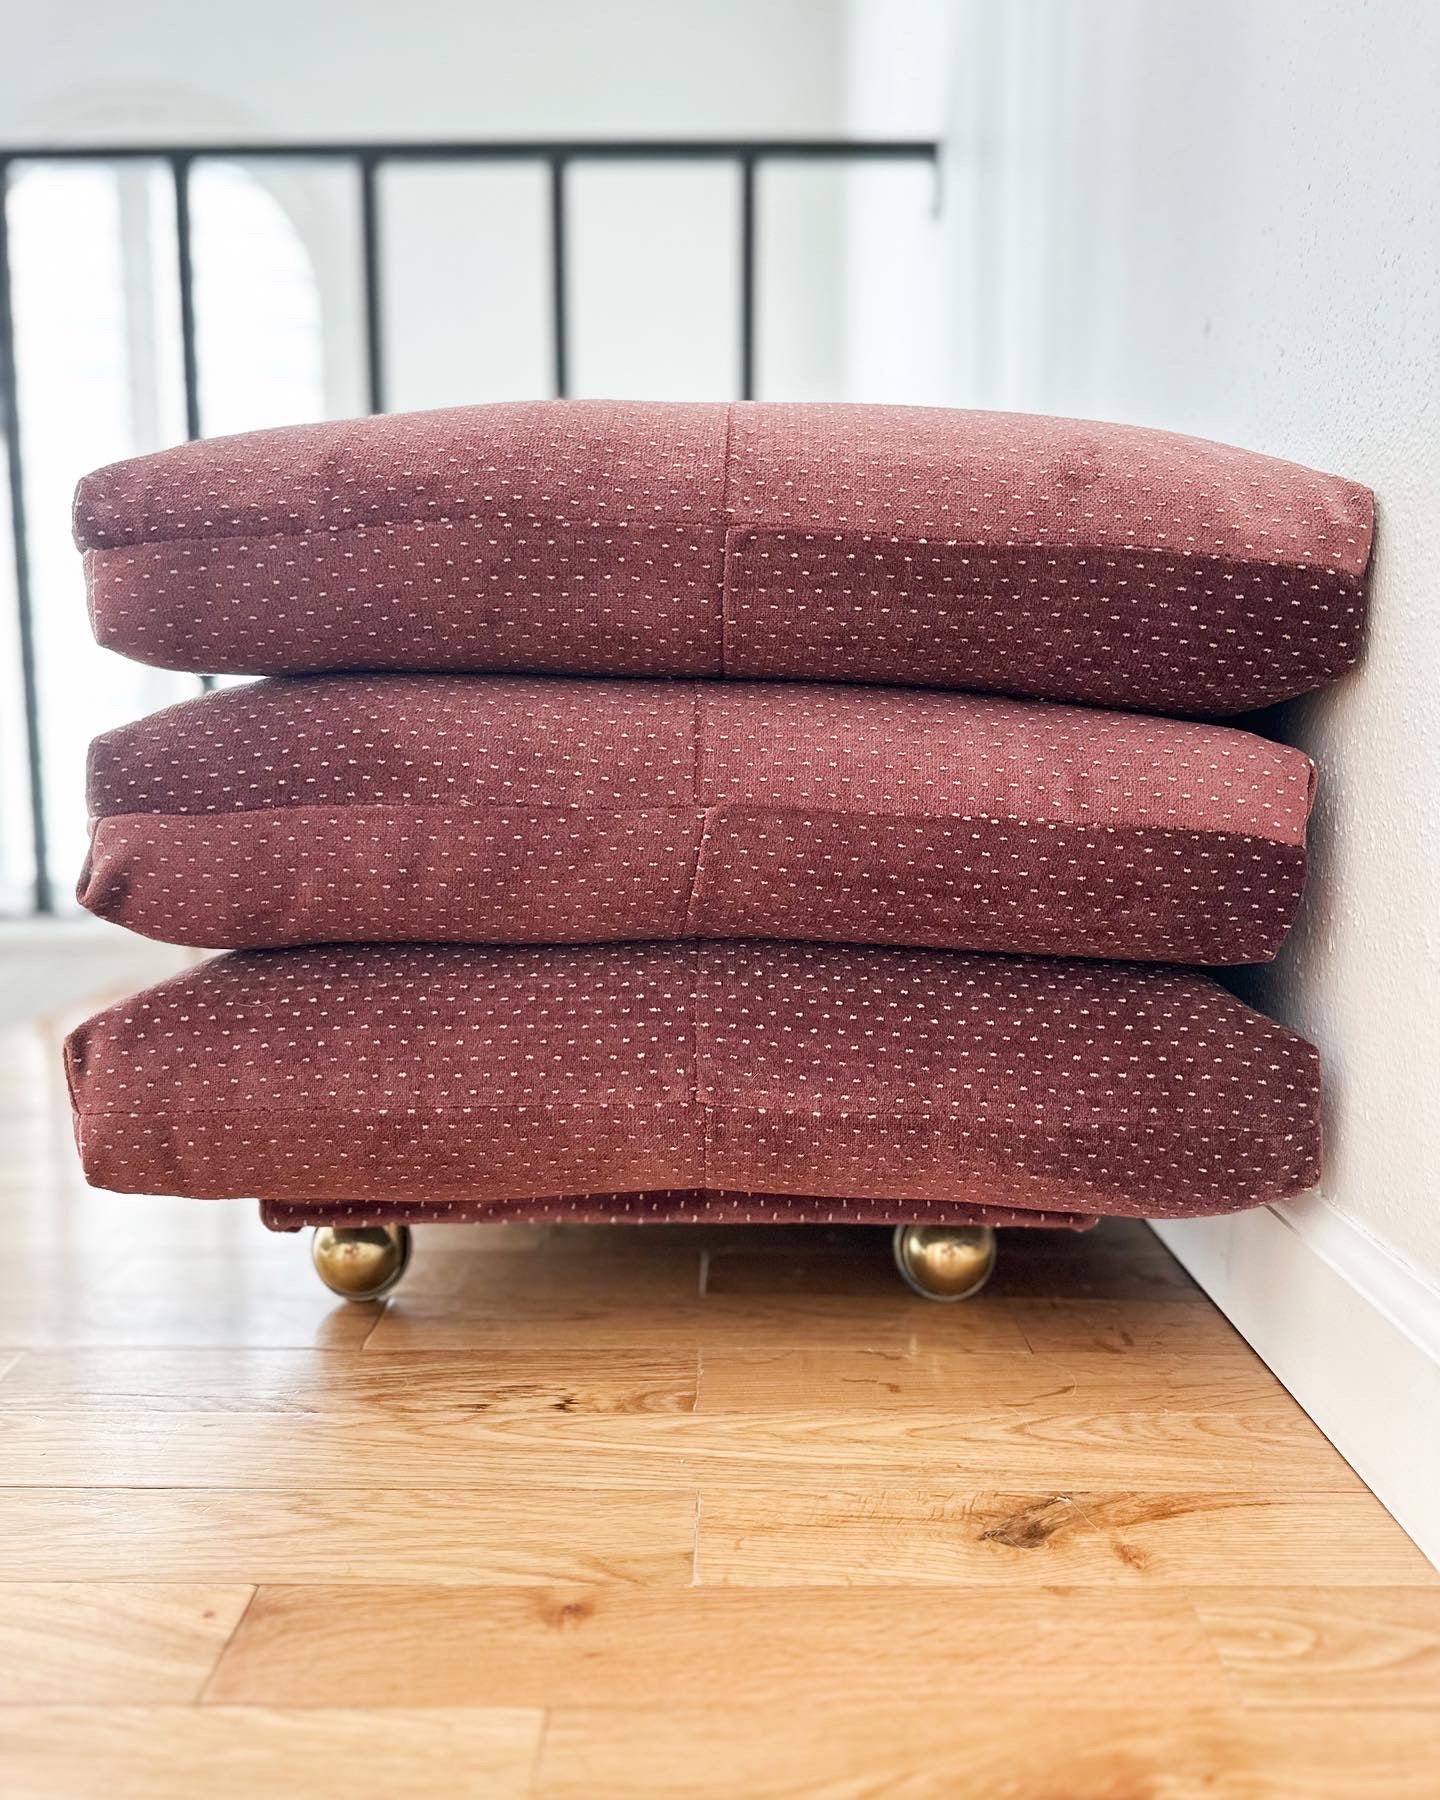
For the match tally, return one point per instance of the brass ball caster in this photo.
(361, 1262)
(945, 1262)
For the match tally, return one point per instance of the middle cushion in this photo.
(501, 809)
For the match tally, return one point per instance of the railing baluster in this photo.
(185, 268)
(558, 282)
(185, 278)
(29, 675)
(370, 249)
(747, 278)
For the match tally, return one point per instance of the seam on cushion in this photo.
(1085, 1183)
(858, 815)
(790, 534)
(727, 561)
(725, 526)
(419, 807)
(681, 1193)
(384, 1112)
(1016, 1215)
(697, 749)
(1063, 1115)
(692, 901)
(709, 818)
(1127, 828)
(248, 541)
(217, 534)
(909, 1109)
(702, 1107)
(72, 1053)
(738, 809)
(779, 809)
(1074, 1115)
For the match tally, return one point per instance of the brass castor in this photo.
(945, 1262)
(360, 1262)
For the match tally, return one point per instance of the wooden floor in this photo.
(663, 1512)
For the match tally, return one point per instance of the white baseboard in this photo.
(1353, 1333)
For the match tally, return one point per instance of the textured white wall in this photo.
(1224, 217)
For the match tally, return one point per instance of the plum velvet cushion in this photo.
(865, 1083)
(514, 809)
(990, 551)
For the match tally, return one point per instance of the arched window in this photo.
(260, 333)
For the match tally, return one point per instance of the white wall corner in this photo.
(1351, 1331)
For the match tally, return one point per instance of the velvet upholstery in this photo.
(988, 551)
(541, 810)
(859, 1083)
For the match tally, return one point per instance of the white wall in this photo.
(1224, 217)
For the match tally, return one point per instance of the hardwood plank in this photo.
(636, 1295)
(1031, 1264)
(477, 1303)
(834, 1378)
(1014, 1447)
(486, 1533)
(634, 1313)
(98, 1645)
(49, 1210)
(1128, 1328)
(576, 1285)
(526, 1379)
(918, 1538)
(1372, 1647)
(1025, 1748)
(58, 1300)
(467, 1646)
(236, 1753)
(891, 1320)
(721, 1240)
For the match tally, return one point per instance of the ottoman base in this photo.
(939, 1262)
(361, 1249)
(666, 1206)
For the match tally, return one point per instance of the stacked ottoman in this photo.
(695, 813)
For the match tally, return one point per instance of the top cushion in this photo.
(991, 551)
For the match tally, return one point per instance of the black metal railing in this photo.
(747, 156)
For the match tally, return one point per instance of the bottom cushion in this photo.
(911, 1078)
(665, 1206)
